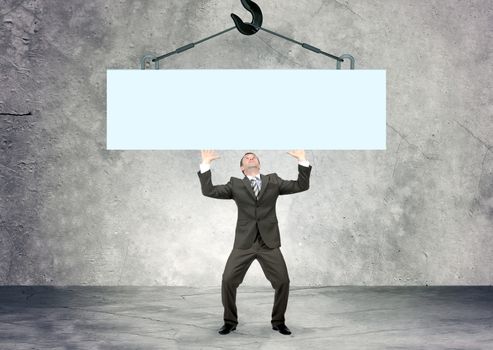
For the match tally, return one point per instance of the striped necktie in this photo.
(255, 186)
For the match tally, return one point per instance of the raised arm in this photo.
(303, 181)
(205, 176)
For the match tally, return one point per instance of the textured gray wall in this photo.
(420, 212)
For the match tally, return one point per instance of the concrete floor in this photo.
(188, 318)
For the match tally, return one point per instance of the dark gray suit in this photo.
(257, 235)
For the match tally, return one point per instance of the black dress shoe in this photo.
(282, 328)
(226, 328)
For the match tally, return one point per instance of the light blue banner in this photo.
(238, 109)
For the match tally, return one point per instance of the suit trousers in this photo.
(274, 268)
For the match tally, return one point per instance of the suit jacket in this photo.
(256, 213)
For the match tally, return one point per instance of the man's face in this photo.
(250, 164)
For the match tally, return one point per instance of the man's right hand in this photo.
(208, 156)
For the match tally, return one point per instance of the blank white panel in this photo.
(246, 109)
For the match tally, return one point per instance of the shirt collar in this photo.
(251, 177)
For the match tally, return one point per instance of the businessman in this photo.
(257, 231)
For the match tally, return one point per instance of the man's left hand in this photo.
(298, 154)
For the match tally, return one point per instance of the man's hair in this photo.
(241, 160)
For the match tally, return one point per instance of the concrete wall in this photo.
(420, 212)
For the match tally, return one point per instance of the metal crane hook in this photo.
(254, 26)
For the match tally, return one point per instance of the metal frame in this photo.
(246, 29)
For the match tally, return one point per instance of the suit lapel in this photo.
(265, 181)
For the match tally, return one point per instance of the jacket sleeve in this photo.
(295, 186)
(217, 191)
